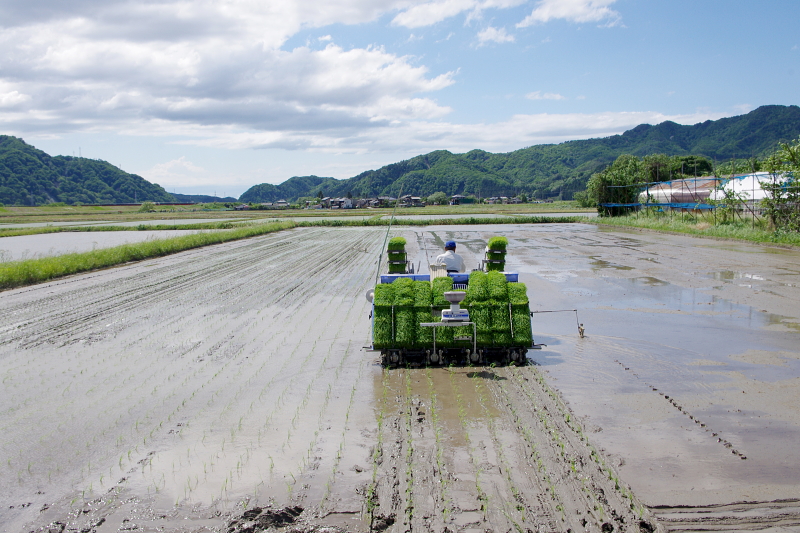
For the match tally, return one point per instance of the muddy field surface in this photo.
(228, 389)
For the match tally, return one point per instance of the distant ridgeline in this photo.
(31, 177)
(201, 198)
(549, 170)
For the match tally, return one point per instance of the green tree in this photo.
(617, 184)
(782, 204)
(438, 198)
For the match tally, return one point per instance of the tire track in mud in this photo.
(779, 515)
(490, 449)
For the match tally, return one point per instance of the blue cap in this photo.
(450, 244)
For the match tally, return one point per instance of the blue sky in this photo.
(209, 97)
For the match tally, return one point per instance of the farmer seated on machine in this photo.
(450, 258)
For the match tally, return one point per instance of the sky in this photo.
(215, 96)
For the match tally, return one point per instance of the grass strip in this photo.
(701, 227)
(21, 232)
(26, 272)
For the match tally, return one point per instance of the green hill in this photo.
(290, 190)
(29, 176)
(201, 198)
(548, 170)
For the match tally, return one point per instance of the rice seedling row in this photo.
(122, 373)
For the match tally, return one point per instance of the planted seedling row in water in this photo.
(521, 507)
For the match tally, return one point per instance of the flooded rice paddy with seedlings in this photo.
(227, 388)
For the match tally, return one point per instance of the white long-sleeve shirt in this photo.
(452, 260)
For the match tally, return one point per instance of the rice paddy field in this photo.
(232, 388)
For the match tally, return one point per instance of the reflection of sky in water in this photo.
(50, 244)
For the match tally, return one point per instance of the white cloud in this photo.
(325, 38)
(418, 136)
(429, 13)
(69, 81)
(13, 98)
(572, 11)
(538, 95)
(495, 35)
(178, 173)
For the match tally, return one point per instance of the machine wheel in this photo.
(475, 357)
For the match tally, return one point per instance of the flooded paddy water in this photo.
(228, 388)
(50, 244)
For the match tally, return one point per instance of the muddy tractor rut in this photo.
(228, 389)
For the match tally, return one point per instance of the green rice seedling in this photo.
(405, 319)
(497, 287)
(501, 320)
(521, 320)
(396, 243)
(423, 297)
(517, 293)
(478, 288)
(496, 267)
(480, 313)
(404, 292)
(384, 294)
(498, 243)
(444, 335)
(382, 317)
(397, 268)
(438, 287)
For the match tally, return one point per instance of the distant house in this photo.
(340, 203)
(282, 203)
(456, 199)
(242, 207)
(411, 201)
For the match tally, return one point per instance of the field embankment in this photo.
(704, 227)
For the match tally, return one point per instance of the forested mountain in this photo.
(31, 177)
(548, 170)
(290, 189)
(201, 198)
